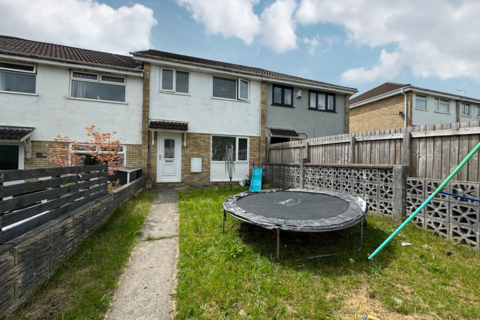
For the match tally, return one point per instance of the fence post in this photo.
(406, 149)
(306, 152)
(400, 174)
(2, 177)
(302, 173)
(352, 150)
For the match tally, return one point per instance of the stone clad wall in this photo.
(28, 260)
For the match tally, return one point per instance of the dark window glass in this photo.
(283, 96)
(98, 91)
(330, 102)
(169, 149)
(16, 66)
(242, 149)
(17, 82)
(113, 79)
(219, 147)
(224, 88)
(182, 82)
(9, 157)
(243, 94)
(167, 79)
(321, 101)
(85, 76)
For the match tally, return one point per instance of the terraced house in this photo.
(175, 114)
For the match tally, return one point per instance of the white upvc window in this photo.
(85, 149)
(442, 105)
(17, 77)
(96, 86)
(421, 102)
(231, 88)
(239, 144)
(172, 80)
(465, 110)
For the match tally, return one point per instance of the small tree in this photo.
(101, 146)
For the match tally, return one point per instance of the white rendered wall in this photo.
(52, 113)
(430, 116)
(204, 113)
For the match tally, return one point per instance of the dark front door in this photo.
(9, 157)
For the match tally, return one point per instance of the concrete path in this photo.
(149, 279)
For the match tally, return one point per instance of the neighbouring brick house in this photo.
(193, 108)
(48, 90)
(395, 105)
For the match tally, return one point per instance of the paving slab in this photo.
(149, 279)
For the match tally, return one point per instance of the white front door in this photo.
(169, 157)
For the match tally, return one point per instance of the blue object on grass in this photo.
(256, 181)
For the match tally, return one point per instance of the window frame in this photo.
(122, 152)
(174, 90)
(236, 148)
(238, 89)
(282, 104)
(99, 80)
(437, 105)
(423, 98)
(469, 115)
(326, 101)
(33, 73)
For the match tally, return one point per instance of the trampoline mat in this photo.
(294, 205)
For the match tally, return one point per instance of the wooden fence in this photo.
(431, 151)
(40, 195)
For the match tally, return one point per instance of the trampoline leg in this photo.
(361, 235)
(278, 244)
(223, 224)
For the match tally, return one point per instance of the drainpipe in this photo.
(404, 108)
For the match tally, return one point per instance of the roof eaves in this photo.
(263, 76)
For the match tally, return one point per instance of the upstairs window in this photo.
(442, 105)
(421, 102)
(321, 101)
(227, 88)
(478, 111)
(17, 77)
(282, 96)
(174, 81)
(465, 110)
(96, 86)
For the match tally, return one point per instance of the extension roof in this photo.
(14, 133)
(161, 55)
(283, 132)
(381, 89)
(169, 125)
(41, 50)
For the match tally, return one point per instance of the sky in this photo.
(433, 44)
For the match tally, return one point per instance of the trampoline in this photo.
(301, 210)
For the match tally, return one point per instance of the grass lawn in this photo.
(83, 287)
(235, 275)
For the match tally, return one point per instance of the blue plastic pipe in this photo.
(426, 201)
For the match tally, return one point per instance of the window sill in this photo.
(425, 110)
(20, 93)
(465, 116)
(440, 112)
(282, 105)
(101, 101)
(231, 100)
(174, 93)
(329, 111)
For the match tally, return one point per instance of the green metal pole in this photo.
(426, 201)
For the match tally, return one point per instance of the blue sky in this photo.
(360, 44)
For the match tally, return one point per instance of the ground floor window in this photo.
(89, 160)
(9, 159)
(220, 145)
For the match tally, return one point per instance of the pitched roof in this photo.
(169, 125)
(382, 89)
(36, 49)
(14, 133)
(224, 65)
(283, 132)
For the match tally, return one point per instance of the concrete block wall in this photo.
(28, 260)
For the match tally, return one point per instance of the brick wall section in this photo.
(37, 163)
(145, 121)
(347, 113)
(378, 115)
(457, 111)
(29, 260)
(135, 156)
(409, 109)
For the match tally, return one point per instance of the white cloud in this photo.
(325, 42)
(79, 23)
(275, 28)
(312, 44)
(231, 18)
(433, 38)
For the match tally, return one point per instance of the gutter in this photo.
(209, 68)
(404, 108)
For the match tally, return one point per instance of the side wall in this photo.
(29, 260)
(303, 120)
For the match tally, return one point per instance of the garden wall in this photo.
(28, 260)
